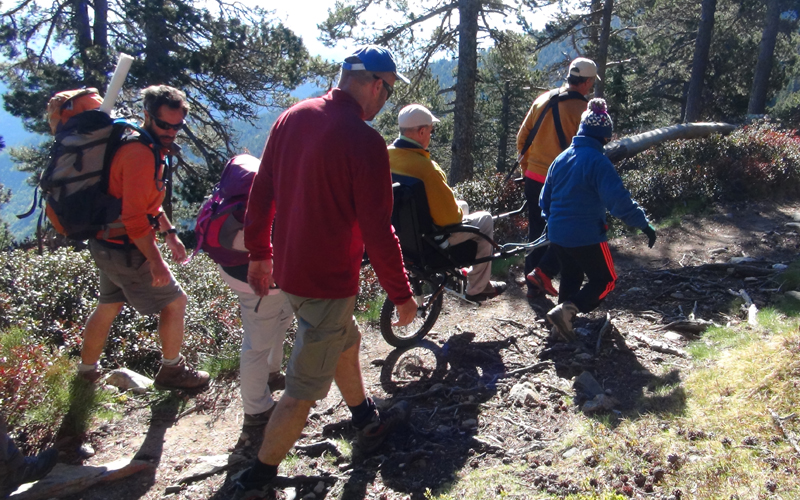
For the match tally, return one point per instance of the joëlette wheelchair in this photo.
(433, 266)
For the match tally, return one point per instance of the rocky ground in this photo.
(486, 387)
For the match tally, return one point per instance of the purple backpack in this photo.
(229, 198)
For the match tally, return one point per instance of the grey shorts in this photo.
(325, 329)
(120, 282)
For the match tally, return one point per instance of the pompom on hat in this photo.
(595, 121)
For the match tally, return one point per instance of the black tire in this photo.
(409, 335)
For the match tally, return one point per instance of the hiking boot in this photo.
(371, 436)
(90, 376)
(180, 376)
(31, 469)
(258, 418)
(276, 381)
(254, 490)
(561, 316)
(492, 290)
(540, 280)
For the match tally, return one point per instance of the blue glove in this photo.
(650, 231)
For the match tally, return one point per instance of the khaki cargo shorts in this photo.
(120, 282)
(325, 329)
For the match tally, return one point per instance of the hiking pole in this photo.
(115, 85)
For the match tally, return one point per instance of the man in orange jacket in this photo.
(131, 267)
(561, 109)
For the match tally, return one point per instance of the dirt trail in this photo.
(464, 416)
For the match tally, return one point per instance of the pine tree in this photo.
(230, 62)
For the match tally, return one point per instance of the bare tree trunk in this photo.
(156, 52)
(101, 37)
(83, 42)
(701, 49)
(602, 47)
(766, 49)
(502, 147)
(630, 146)
(462, 166)
(595, 20)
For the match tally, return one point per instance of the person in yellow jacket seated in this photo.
(409, 155)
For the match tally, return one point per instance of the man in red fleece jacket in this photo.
(326, 174)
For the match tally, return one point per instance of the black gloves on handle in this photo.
(651, 235)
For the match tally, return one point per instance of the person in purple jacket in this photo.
(581, 185)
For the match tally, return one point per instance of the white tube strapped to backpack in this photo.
(115, 85)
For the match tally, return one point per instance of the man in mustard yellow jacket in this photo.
(409, 155)
(558, 114)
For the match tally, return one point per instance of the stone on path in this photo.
(125, 380)
(794, 295)
(524, 394)
(600, 402)
(208, 466)
(69, 479)
(587, 384)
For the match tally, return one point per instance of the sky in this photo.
(303, 16)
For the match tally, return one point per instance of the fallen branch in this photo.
(752, 310)
(526, 428)
(693, 327)
(486, 445)
(318, 448)
(603, 330)
(525, 369)
(779, 423)
(741, 270)
(434, 390)
(286, 482)
(507, 321)
(191, 410)
(661, 347)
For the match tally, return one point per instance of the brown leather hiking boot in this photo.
(90, 376)
(180, 376)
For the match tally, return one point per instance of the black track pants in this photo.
(593, 262)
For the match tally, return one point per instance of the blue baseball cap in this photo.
(376, 59)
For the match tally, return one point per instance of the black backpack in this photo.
(74, 185)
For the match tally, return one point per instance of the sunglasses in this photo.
(167, 126)
(389, 88)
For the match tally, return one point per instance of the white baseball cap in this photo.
(583, 67)
(415, 115)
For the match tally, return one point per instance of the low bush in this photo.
(34, 387)
(754, 162)
(488, 191)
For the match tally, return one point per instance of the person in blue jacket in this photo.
(581, 185)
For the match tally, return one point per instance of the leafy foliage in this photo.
(33, 386)
(754, 162)
(489, 192)
(230, 60)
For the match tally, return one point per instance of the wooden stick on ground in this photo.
(779, 423)
(603, 330)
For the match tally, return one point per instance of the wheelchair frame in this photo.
(433, 266)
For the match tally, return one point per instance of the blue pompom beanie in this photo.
(595, 121)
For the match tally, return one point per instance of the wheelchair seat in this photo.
(425, 245)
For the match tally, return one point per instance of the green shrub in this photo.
(50, 296)
(487, 191)
(753, 162)
(788, 111)
(34, 387)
